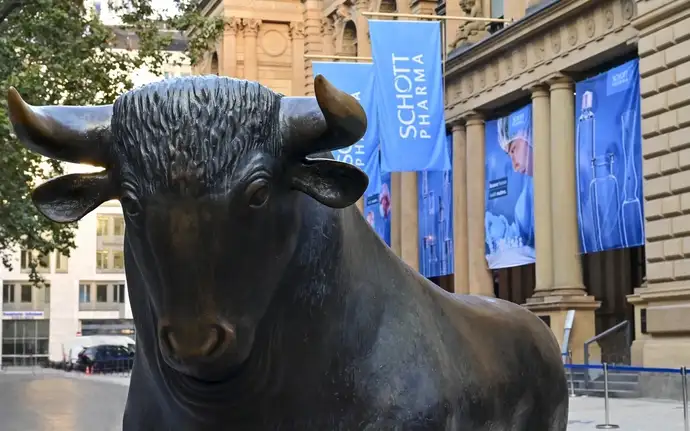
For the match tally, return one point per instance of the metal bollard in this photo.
(607, 425)
(684, 388)
(572, 381)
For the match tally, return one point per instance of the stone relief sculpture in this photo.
(470, 32)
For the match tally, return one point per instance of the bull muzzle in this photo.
(190, 343)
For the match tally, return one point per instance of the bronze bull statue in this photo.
(261, 297)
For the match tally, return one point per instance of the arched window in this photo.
(214, 64)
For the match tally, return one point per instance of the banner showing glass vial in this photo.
(409, 95)
(509, 218)
(609, 160)
(377, 199)
(435, 189)
(356, 79)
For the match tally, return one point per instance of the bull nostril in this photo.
(212, 342)
(215, 340)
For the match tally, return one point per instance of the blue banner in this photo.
(377, 200)
(356, 79)
(409, 94)
(609, 160)
(436, 220)
(509, 218)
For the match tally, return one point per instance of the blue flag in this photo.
(356, 79)
(409, 94)
(377, 200)
(435, 210)
(610, 201)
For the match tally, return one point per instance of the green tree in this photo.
(55, 52)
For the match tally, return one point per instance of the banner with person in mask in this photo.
(509, 217)
(409, 95)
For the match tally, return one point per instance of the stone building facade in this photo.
(538, 57)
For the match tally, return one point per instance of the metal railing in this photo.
(628, 341)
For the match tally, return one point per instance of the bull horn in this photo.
(330, 121)
(76, 134)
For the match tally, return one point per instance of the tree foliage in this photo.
(56, 52)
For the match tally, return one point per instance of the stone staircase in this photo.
(622, 384)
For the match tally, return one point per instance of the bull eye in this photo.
(257, 193)
(130, 206)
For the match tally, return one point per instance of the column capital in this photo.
(296, 30)
(538, 89)
(457, 126)
(232, 26)
(560, 81)
(251, 26)
(473, 119)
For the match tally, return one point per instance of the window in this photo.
(26, 293)
(118, 225)
(118, 259)
(497, 8)
(102, 259)
(101, 293)
(84, 293)
(61, 262)
(102, 226)
(7, 293)
(29, 257)
(119, 293)
(46, 293)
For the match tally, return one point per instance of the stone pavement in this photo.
(50, 400)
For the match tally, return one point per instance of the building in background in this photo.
(548, 49)
(85, 294)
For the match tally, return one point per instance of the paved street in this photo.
(51, 400)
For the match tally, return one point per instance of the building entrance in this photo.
(25, 342)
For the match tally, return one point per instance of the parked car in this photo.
(72, 348)
(105, 358)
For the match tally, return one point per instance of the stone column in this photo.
(328, 32)
(460, 247)
(395, 213)
(297, 37)
(229, 66)
(541, 166)
(313, 40)
(362, 24)
(567, 267)
(409, 219)
(479, 276)
(251, 66)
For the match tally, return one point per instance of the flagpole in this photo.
(433, 17)
(336, 57)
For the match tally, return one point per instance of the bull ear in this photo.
(68, 198)
(334, 184)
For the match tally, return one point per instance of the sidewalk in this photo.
(629, 414)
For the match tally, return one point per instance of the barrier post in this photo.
(684, 388)
(572, 381)
(607, 425)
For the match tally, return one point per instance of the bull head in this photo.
(330, 121)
